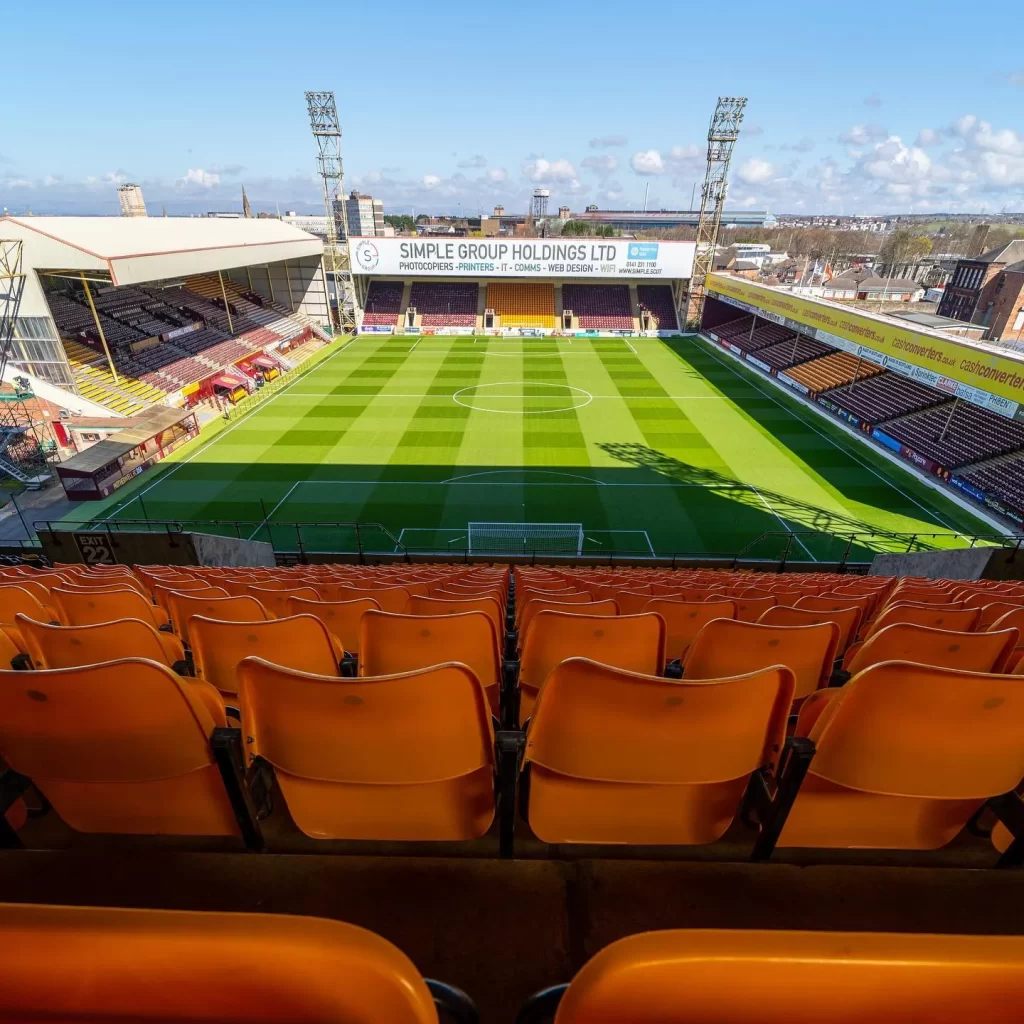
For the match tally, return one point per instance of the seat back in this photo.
(276, 601)
(15, 601)
(847, 619)
(906, 641)
(913, 730)
(442, 605)
(607, 606)
(390, 643)
(150, 966)
(937, 616)
(727, 647)
(183, 607)
(866, 976)
(341, 618)
(633, 642)
(389, 599)
(622, 757)
(122, 746)
(161, 590)
(405, 756)
(750, 609)
(69, 646)
(79, 608)
(684, 619)
(301, 642)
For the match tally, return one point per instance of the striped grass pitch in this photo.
(659, 444)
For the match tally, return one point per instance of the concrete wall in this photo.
(140, 548)
(213, 550)
(959, 564)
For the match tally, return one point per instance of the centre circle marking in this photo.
(482, 397)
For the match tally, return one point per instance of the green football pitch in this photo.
(651, 445)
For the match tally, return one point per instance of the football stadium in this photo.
(435, 630)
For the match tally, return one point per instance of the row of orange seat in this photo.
(903, 756)
(79, 964)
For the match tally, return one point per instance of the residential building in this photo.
(132, 203)
(863, 284)
(975, 287)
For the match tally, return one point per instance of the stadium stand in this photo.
(885, 397)
(522, 305)
(657, 298)
(832, 371)
(599, 307)
(957, 436)
(149, 374)
(794, 350)
(738, 332)
(445, 304)
(383, 303)
(1002, 476)
(917, 695)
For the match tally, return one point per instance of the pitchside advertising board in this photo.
(528, 257)
(961, 370)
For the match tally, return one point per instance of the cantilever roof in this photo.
(134, 250)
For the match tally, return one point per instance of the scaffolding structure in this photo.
(722, 135)
(323, 120)
(25, 437)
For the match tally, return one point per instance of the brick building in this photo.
(986, 290)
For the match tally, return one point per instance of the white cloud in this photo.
(605, 163)
(497, 174)
(755, 171)
(862, 134)
(805, 145)
(927, 137)
(541, 171)
(474, 161)
(648, 161)
(690, 152)
(197, 176)
(431, 181)
(874, 100)
(604, 141)
(751, 129)
(1015, 78)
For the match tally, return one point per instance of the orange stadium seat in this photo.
(704, 976)
(79, 964)
(406, 756)
(521, 304)
(671, 769)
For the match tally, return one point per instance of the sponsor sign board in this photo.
(514, 257)
(758, 363)
(802, 388)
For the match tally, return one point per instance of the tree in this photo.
(400, 221)
(579, 228)
(904, 246)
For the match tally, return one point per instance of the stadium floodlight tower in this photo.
(23, 439)
(722, 136)
(323, 119)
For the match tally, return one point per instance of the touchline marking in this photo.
(782, 522)
(224, 433)
(414, 344)
(505, 472)
(621, 398)
(630, 344)
(831, 441)
(455, 482)
(270, 514)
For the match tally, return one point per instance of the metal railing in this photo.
(365, 539)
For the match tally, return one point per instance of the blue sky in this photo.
(455, 105)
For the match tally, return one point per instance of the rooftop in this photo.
(135, 250)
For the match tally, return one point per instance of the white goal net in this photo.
(525, 538)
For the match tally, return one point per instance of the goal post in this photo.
(525, 538)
